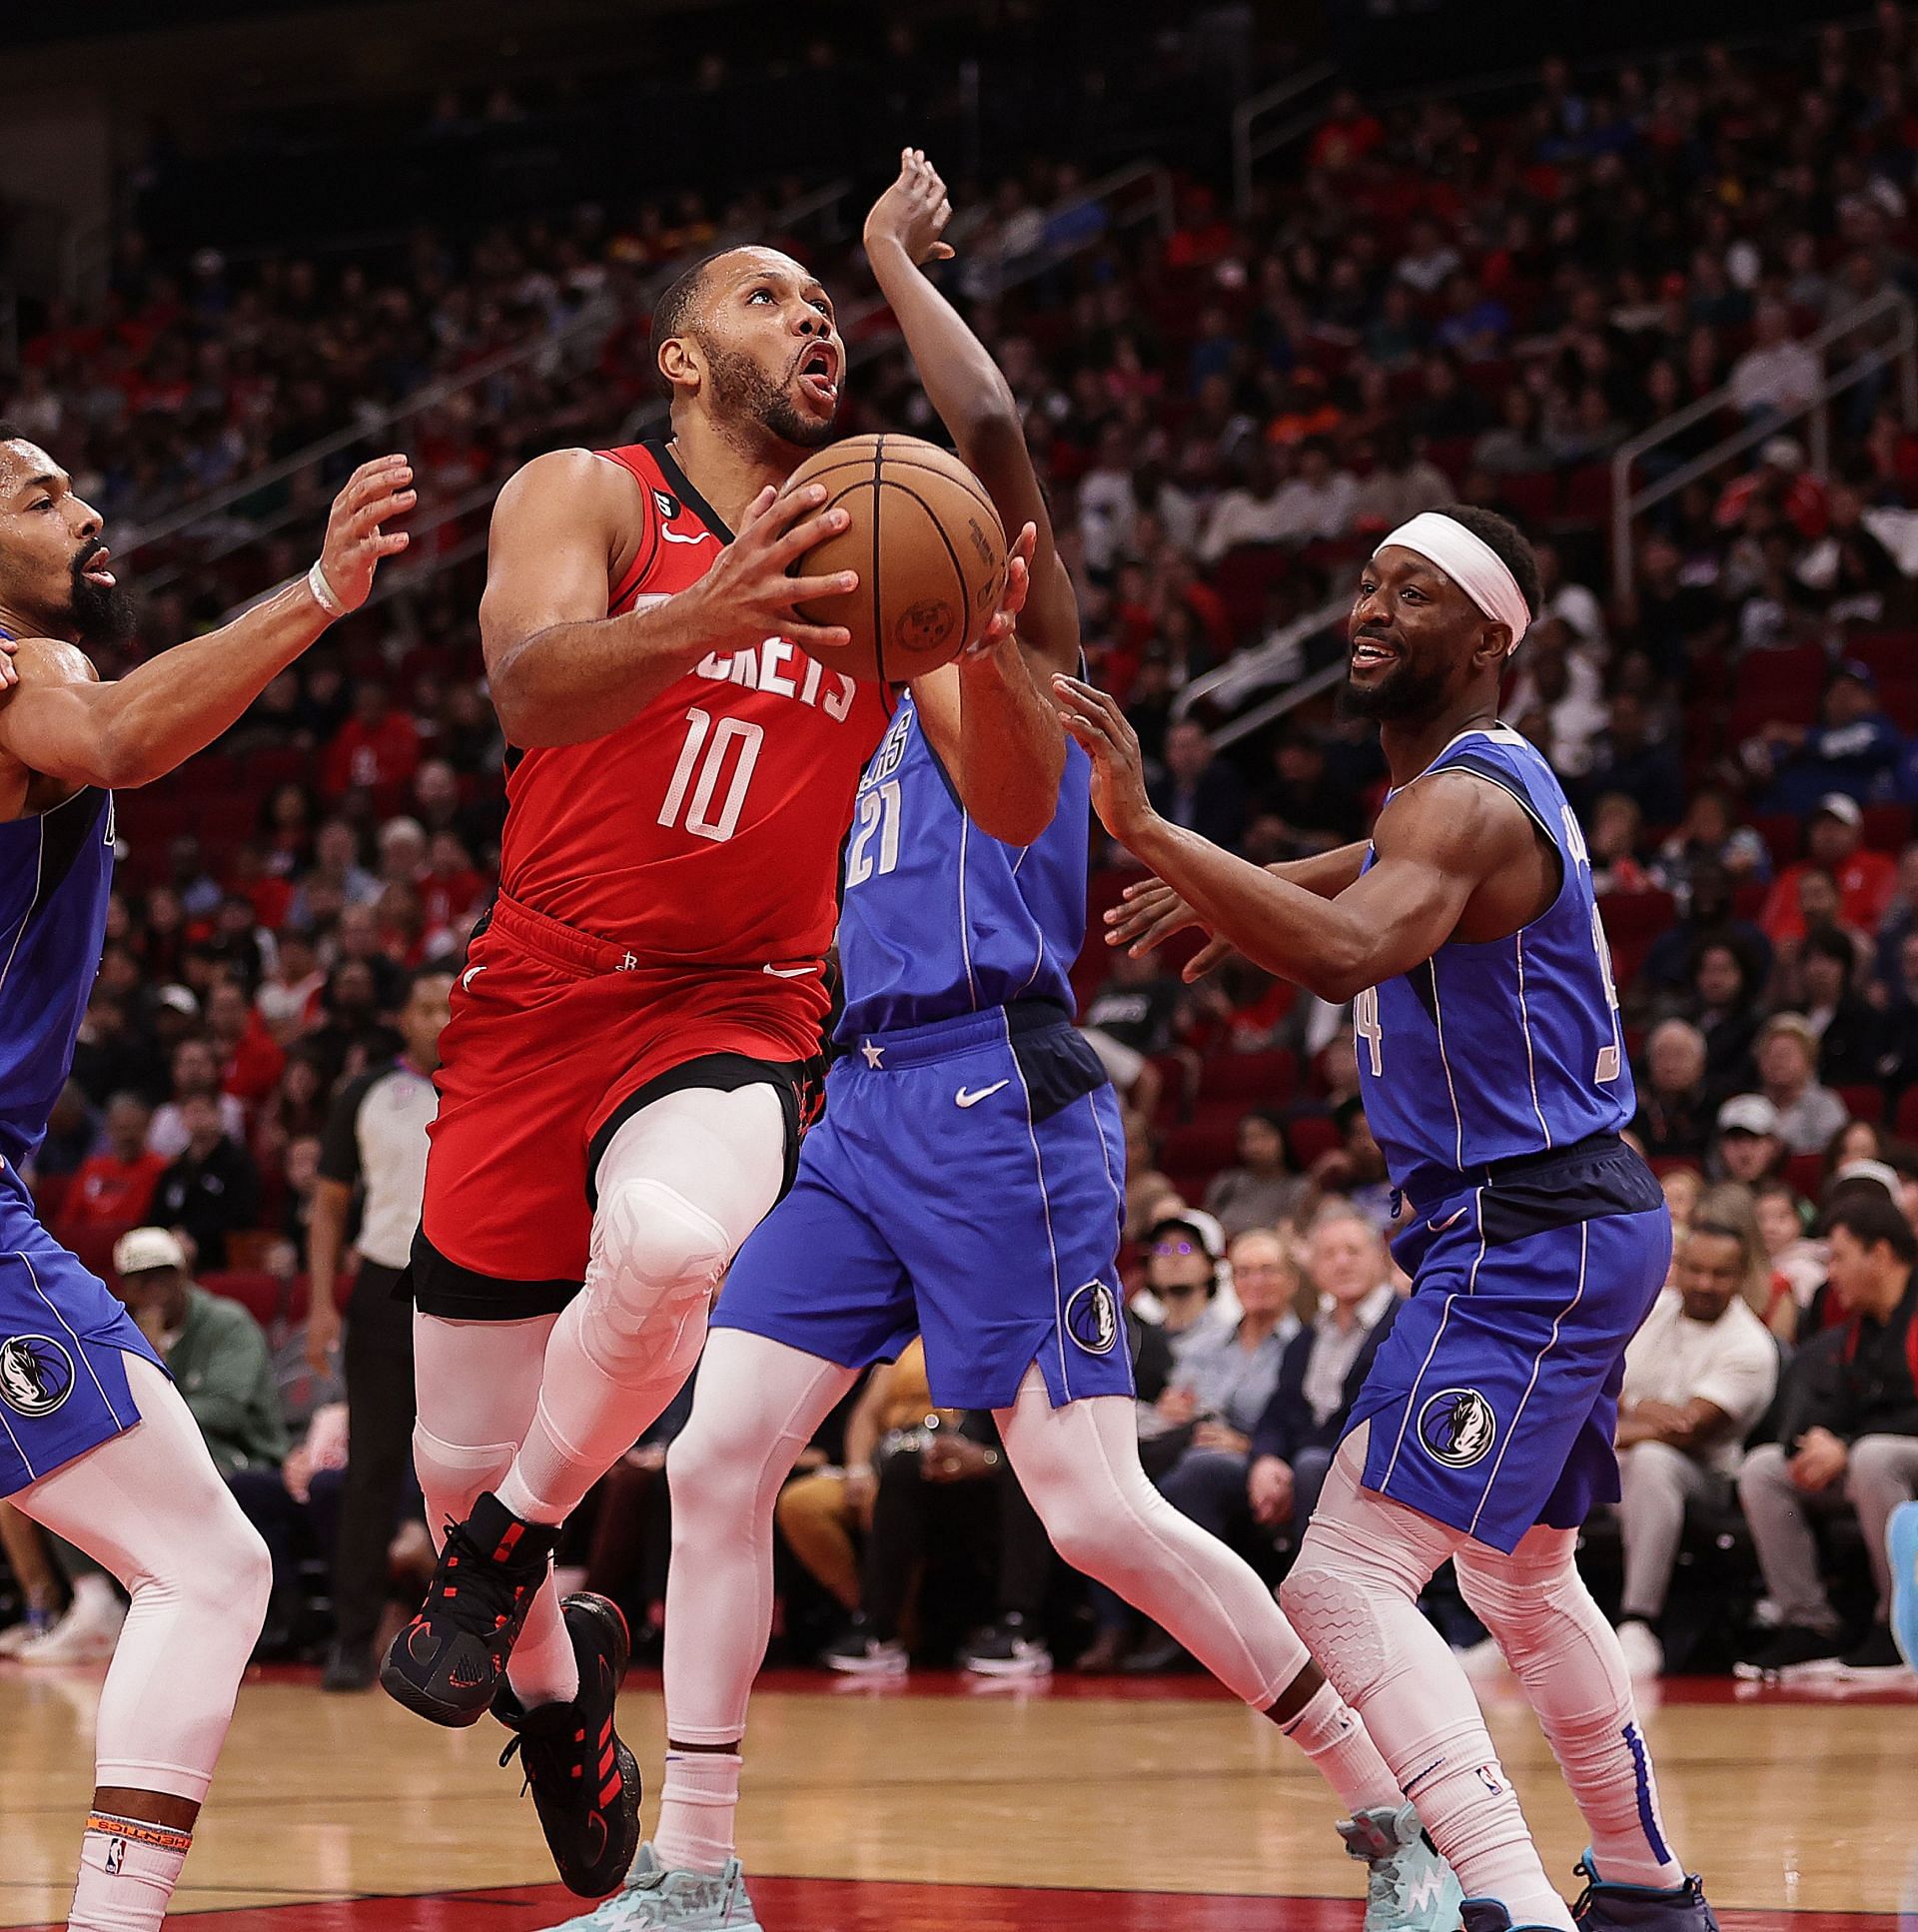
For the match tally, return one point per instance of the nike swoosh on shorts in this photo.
(965, 1098)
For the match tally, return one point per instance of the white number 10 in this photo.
(699, 819)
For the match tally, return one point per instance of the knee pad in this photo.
(452, 1474)
(657, 1258)
(1512, 1596)
(1337, 1618)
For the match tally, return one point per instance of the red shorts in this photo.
(555, 1039)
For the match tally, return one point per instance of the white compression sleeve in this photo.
(151, 1507)
(478, 1385)
(756, 1407)
(681, 1185)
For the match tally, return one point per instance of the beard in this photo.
(741, 388)
(1408, 690)
(97, 613)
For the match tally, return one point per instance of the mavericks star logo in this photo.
(1457, 1427)
(1091, 1317)
(36, 1374)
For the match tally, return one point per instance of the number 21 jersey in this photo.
(1490, 1050)
(707, 830)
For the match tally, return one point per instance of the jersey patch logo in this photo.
(1458, 1428)
(668, 506)
(1091, 1317)
(36, 1374)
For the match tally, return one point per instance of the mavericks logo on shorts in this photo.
(1091, 1317)
(1457, 1427)
(36, 1374)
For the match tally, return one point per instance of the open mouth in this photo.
(818, 373)
(95, 571)
(1369, 652)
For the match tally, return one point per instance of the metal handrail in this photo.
(1250, 671)
(1628, 504)
(430, 396)
(1247, 149)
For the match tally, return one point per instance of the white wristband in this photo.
(322, 592)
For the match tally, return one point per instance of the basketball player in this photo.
(94, 1441)
(966, 1185)
(1495, 1079)
(627, 1064)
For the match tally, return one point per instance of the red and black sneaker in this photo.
(449, 1663)
(584, 1782)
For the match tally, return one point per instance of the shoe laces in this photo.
(487, 1585)
(558, 1754)
(1582, 1903)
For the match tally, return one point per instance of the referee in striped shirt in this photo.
(374, 1150)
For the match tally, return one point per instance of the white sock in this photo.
(93, 1594)
(696, 1806)
(1327, 1730)
(128, 1870)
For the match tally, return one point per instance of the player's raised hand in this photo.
(749, 594)
(1012, 599)
(1117, 766)
(356, 542)
(913, 212)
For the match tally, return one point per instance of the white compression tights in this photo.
(539, 1411)
(758, 1405)
(1354, 1596)
(151, 1508)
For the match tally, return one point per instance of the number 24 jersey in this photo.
(1487, 1052)
(707, 830)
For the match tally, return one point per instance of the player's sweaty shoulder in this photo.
(1453, 820)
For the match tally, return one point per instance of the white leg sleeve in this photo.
(1567, 1658)
(151, 1507)
(477, 1385)
(681, 1185)
(1079, 1467)
(1354, 1595)
(756, 1407)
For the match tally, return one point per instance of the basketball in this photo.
(927, 545)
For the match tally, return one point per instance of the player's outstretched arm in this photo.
(60, 722)
(990, 722)
(561, 671)
(1434, 846)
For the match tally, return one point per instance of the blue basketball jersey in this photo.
(938, 919)
(1509, 1048)
(56, 874)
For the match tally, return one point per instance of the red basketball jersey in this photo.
(707, 829)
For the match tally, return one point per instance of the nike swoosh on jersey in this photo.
(965, 1098)
(469, 975)
(673, 537)
(788, 972)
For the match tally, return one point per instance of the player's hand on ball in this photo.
(1012, 599)
(913, 212)
(375, 493)
(1117, 766)
(748, 594)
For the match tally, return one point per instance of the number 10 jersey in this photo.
(1489, 1052)
(707, 830)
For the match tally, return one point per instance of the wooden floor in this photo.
(936, 1806)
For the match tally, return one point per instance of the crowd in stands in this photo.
(1426, 303)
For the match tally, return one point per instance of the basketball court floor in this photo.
(940, 1807)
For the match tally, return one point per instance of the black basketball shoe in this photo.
(449, 1663)
(584, 1782)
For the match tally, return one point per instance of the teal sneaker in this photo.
(1408, 1887)
(1901, 1539)
(654, 1899)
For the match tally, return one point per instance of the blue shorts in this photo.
(1493, 1402)
(966, 1186)
(64, 1340)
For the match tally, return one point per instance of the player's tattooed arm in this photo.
(1435, 847)
(564, 672)
(970, 394)
(62, 723)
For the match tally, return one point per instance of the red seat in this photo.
(1806, 1173)
(1588, 494)
(1208, 1142)
(1864, 1102)
(1244, 577)
(1887, 654)
(1531, 497)
(1311, 1135)
(261, 1293)
(1907, 1116)
(1250, 1079)
(1887, 828)
(1899, 696)
(1780, 832)
(1633, 921)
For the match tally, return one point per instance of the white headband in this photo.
(1471, 564)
